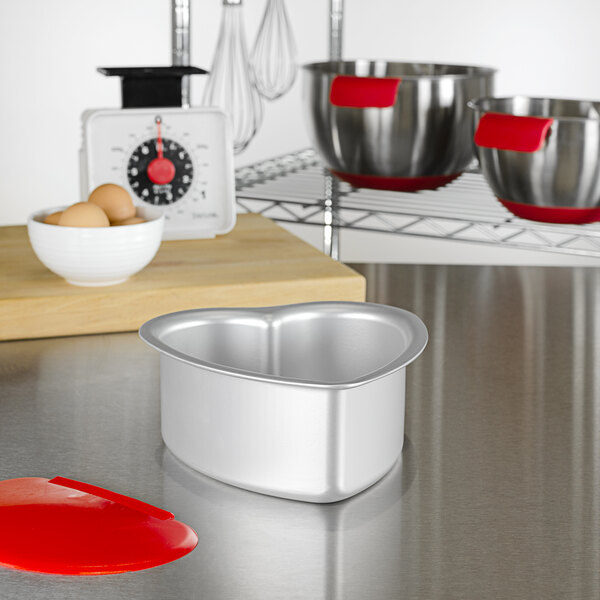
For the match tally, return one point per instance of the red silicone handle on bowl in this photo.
(511, 132)
(350, 91)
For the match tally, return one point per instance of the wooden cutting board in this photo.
(257, 264)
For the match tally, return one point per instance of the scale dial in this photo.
(159, 188)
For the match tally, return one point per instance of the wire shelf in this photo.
(296, 188)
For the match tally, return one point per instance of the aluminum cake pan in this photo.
(302, 401)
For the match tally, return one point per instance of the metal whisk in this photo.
(274, 53)
(230, 85)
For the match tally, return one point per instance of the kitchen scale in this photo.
(180, 159)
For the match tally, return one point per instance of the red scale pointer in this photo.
(160, 170)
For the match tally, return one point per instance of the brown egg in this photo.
(84, 214)
(52, 218)
(130, 221)
(114, 200)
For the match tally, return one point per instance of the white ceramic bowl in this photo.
(95, 256)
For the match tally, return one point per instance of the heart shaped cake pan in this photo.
(303, 401)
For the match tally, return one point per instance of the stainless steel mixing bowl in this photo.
(391, 125)
(541, 156)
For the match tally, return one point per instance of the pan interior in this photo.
(329, 349)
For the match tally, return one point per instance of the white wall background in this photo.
(49, 51)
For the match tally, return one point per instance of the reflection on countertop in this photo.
(497, 494)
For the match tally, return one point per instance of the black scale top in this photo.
(144, 87)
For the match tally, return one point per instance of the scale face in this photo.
(180, 159)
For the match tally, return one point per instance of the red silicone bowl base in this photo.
(396, 184)
(552, 214)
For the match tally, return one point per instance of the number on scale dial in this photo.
(160, 171)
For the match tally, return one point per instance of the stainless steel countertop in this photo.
(497, 494)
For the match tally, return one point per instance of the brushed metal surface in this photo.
(564, 172)
(303, 401)
(428, 131)
(497, 494)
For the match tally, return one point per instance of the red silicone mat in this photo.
(68, 527)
